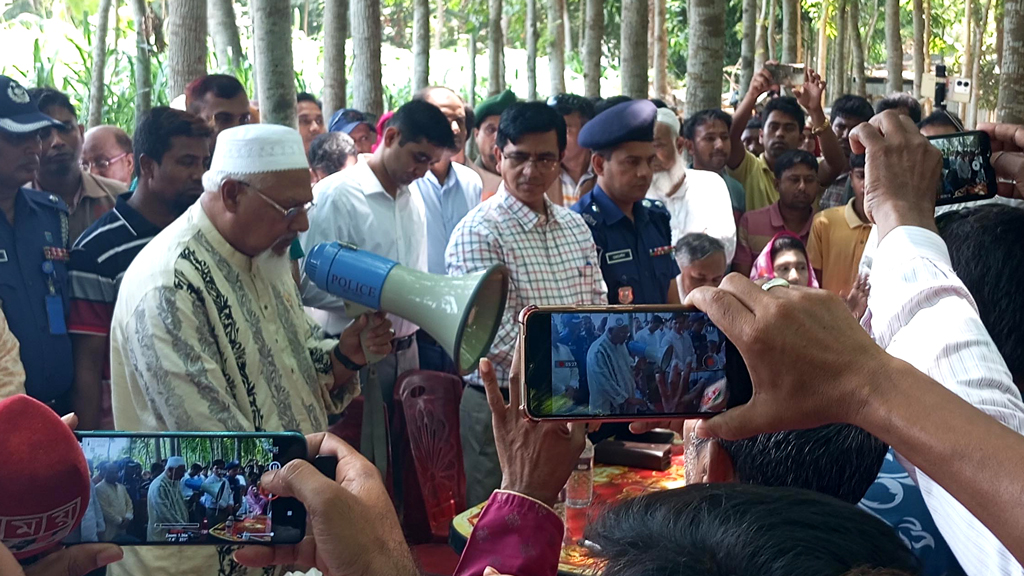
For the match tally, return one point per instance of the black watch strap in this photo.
(346, 361)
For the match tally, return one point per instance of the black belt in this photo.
(482, 390)
(403, 344)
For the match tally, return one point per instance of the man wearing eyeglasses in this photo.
(486, 117)
(107, 152)
(87, 195)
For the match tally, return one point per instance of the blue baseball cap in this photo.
(18, 113)
(347, 119)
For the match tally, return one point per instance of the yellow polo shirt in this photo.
(835, 246)
(757, 179)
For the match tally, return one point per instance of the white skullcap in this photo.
(175, 462)
(258, 149)
(179, 102)
(669, 118)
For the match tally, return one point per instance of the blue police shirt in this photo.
(38, 236)
(636, 255)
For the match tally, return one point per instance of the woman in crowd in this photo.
(785, 256)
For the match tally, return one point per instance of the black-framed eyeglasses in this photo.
(288, 213)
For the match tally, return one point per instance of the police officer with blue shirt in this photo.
(33, 253)
(632, 233)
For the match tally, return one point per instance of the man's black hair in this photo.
(609, 102)
(156, 129)
(753, 124)
(470, 118)
(659, 103)
(703, 117)
(524, 118)
(792, 158)
(307, 97)
(218, 463)
(857, 161)
(852, 106)
(418, 120)
(939, 118)
(900, 101)
(196, 467)
(788, 106)
(156, 468)
(838, 460)
(220, 85)
(330, 151)
(983, 239)
(743, 530)
(566, 104)
(46, 98)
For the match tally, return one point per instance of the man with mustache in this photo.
(87, 195)
(485, 131)
(848, 112)
(172, 149)
(706, 137)
(633, 234)
(796, 177)
(33, 252)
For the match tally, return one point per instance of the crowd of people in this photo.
(156, 283)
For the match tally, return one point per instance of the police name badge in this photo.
(619, 256)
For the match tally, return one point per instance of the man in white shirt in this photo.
(698, 200)
(653, 331)
(449, 190)
(565, 372)
(548, 249)
(683, 355)
(610, 373)
(371, 206)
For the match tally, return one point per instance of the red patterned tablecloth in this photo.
(611, 484)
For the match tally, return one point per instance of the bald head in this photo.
(107, 151)
(453, 107)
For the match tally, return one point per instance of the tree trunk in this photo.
(495, 47)
(420, 44)
(839, 70)
(1000, 35)
(224, 29)
(567, 25)
(143, 66)
(747, 45)
(1011, 78)
(706, 55)
(367, 93)
(531, 50)
(556, 48)
(439, 30)
(968, 26)
(99, 64)
(186, 50)
(472, 70)
(273, 32)
(582, 27)
(799, 33)
(761, 37)
(919, 68)
(660, 50)
(773, 54)
(893, 47)
(158, 452)
(979, 54)
(238, 442)
(592, 48)
(650, 36)
(859, 86)
(823, 40)
(335, 34)
(633, 60)
(927, 16)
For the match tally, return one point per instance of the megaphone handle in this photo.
(364, 337)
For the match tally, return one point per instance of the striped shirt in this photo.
(552, 260)
(98, 261)
(756, 229)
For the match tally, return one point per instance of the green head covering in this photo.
(494, 106)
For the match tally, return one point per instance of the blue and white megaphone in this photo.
(658, 356)
(462, 313)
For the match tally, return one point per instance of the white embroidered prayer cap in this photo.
(258, 149)
(175, 461)
(669, 118)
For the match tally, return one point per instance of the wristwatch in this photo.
(824, 126)
(346, 361)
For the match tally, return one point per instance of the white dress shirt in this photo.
(445, 205)
(702, 204)
(683, 354)
(920, 312)
(353, 207)
(565, 372)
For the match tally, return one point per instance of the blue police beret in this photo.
(631, 121)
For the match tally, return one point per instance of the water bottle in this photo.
(580, 489)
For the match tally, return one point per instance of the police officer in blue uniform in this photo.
(632, 233)
(33, 253)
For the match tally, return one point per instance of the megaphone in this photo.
(659, 356)
(462, 313)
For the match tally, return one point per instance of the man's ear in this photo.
(147, 166)
(683, 144)
(391, 135)
(131, 162)
(720, 468)
(230, 193)
(597, 161)
(498, 158)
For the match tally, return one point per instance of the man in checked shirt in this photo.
(548, 250)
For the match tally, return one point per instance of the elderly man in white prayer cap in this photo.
(165, 502)
(208, 330)
(698, 200)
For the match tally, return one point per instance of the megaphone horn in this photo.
(463, 313)
(659, 356)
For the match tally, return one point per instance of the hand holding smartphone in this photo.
(967, 172)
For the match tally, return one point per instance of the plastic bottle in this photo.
(579, 491)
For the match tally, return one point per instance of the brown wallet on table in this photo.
(635, 454)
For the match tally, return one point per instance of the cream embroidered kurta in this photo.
(204, 339)
(12, 373)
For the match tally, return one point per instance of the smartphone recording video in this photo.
(786, 75)
(606, 364)
(967, 172)
(153, 489)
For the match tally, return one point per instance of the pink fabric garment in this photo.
(380, 128)
(514, 535)
(764, 268)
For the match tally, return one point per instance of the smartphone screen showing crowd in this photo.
(627, 363)
(967, 172)
(190, 488)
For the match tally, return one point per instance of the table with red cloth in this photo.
(611, 484)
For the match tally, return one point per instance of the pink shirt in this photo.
(756, 229)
